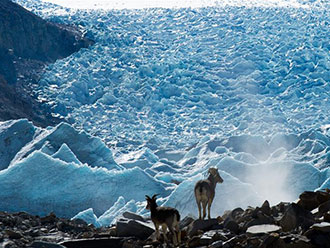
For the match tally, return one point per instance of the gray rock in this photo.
(97, 242)
(258, 229)
(13, 234)
(296, 216)
(133, 216)
(43, 244)
(203, 225)
(231, 225)
(324, 207)
(319, 234)
(216, 244)
(8, 244)
(310, 199)
(186, 222)
(134, 228)
(293, 240)
(265, 208)
(259, 219)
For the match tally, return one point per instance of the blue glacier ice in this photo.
(166, 93)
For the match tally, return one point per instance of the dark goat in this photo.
(166, 217)
(205, 191)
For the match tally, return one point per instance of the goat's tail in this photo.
(177, 216)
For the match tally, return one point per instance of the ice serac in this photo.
(86, 148)
(109, 217)
(40, 184)
(65, 154)
(88, 216)
(14, 135)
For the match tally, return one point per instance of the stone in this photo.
(294, 241)
(310, 200)
(133, 216)
(216, 244)
(324, 207)
(134, 228)
(8, 244)
(323, 227)
(98, 242)
(267, 228)
(270, 239)
(296, 216)
(265, 208)
(13, 234)
(259, 219)
(216, 235)
(43, 244)
(186, 222)
(319, 234)
(203, 225)
(326, 217)
(194, 242)
(231, 225)
(48, 219)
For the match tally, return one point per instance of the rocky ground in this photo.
(305, 223)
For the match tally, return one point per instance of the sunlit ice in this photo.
(140, 4)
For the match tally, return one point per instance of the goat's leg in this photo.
(164, 229)
(175, 241)
(199, 203)
(204, 209)
(157, 231)
(209, 207)
(178, 232)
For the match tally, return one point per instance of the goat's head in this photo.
(151, 202)
(215, 173)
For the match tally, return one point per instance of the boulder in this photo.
(98, 242)
(259, 229)
(217, 244)
(293, 241)
(231, 225)
(186, 221)
(326, 217)
(203, 225)
(319, 234)
(13, 234)
(324, 207)
(296, 216)
(133, 216)
(134, 228)
(258, 219)
(43, 244)
(265, 208)
(310, 200)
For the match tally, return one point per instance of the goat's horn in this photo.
(154, 196)
(148, 197)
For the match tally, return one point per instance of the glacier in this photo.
(166, 93)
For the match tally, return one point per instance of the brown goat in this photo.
(205, 191)
(166, 217)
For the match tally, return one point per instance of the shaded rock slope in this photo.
(305, 223)
(27, 44)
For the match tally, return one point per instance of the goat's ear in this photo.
(155, 196)
(213, 171)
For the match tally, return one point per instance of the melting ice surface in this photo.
(166, 93)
